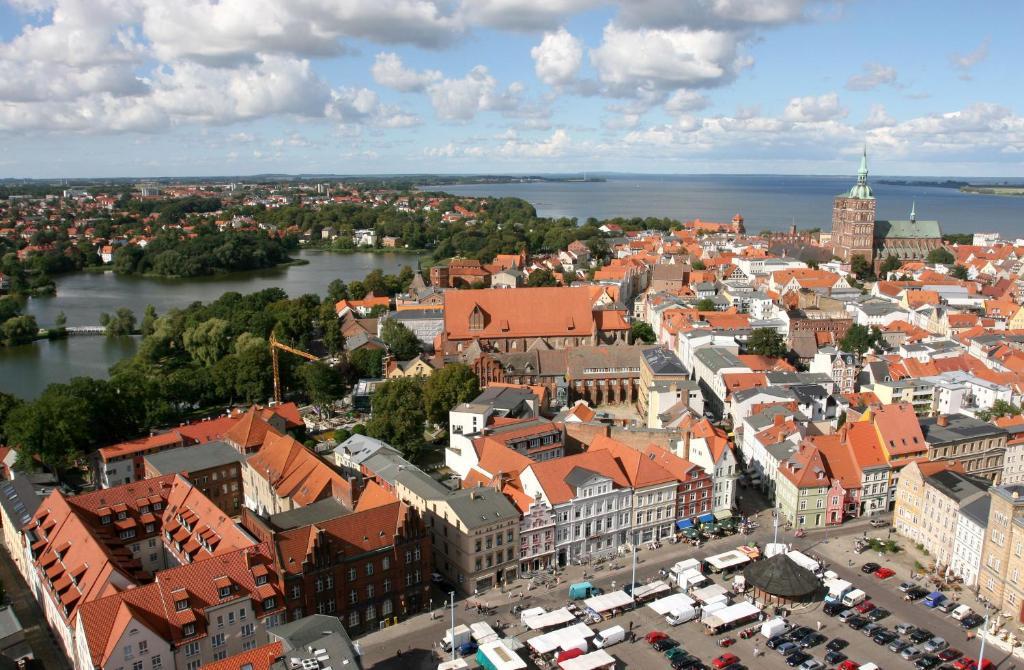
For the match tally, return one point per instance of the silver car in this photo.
(846, 614)
(935, 645)
(811, 664)
(910, 653)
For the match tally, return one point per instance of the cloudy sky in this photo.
(206, 87)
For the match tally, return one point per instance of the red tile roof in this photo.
(552, 474)
(641, 470)
(260, 658)
(249, 433)
(297, 473)
(522, 312)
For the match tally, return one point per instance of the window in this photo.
(296, 590)
(191, 649)
(224, 592)
(248, 644)
(181, 605)
(220, 655)
(158, 662)
(353, 619)
(369, 569)
(193, 665)
(220, 622)
(231, 618)
(128, 653)
(385, 563)
(352, 576)
(143, 647)
(188, 629)
(261, 580)
(353, 597)
(268, 604)
(369, 591)
(385, 608)
(371, 612)
(217, 640)
(248, 629)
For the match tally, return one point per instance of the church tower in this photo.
(853, 218)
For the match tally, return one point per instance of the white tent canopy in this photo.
(548, 619)
(728, 559)
(654, 588)
(592, 661)
(533, 611)
(728, 615)
(676, 601)
(563, 638)
(501, 656)
(608, 601)
(710, 594)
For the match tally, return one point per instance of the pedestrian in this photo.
(630, 626)
(819, 625)
(398, 653)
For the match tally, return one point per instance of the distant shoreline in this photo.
(1004, 189)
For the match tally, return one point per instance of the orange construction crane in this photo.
(274, 346)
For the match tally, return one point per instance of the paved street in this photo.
(418, 636)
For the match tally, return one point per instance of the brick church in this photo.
(856, 231)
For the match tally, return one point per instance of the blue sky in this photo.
(180, 87)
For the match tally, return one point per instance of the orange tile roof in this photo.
(552, 474)
(899, 429)
(160, 441)
(640, 470)
(805, 468)
(521, 312)
(260, 658)
(250, 431)
(374, 495)
(207, 430)
(740, 381)
(297, 473)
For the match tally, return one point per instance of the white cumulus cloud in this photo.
(814, 108)
(388, 70)
(558, 57)
(873, 76)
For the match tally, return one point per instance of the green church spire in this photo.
(861, 190)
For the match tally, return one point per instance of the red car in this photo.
(865, 607)
(884, 573)
(654, 636)
(849, 665)
(950, 654)
(724, 660)
(968, 663)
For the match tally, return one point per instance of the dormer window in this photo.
(188, 629)
(224, 592)
(477, 318)
(105, 519)
(122, 515)
(181, 605)
(261, 580)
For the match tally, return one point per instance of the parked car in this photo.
(920, 635)
(927, 662)
(870, 629)
(811, 640)
(884, 573)
(948, 606)
(684, 662)
(787, 648)
(797, 658)
(905, 628)
(833, 608)
(967, 663)
(654, 636)
(884, 636)
(811, 664)
(878, 523)
(865, 607)
(846, 615)
(897, 645)
(910, 653)
(837, 644)
(849, 665)
(674, 653)
(798, 633)
(972, 621)
(869, 567)
(664, 644)
(916, 593)
(725, 660)
(878, 614)
(834, 657)
(775, 641)
(906, 586)
(950, 654)
(857, 622)
(935, 645)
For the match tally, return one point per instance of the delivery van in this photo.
(609, 636)
(681, 615)
(960, 612)
(854, 597)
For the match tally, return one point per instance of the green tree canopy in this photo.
(999, 409)
(705, 305)
(859, 339)
(958, 272)
(860, 267)
(402, 342)
(698, 264)
(366, 363)
(767, 342)
(641, 331)
(451, 385)
(941, 255)
(120, 324)
(541, 278)
(208, 341)
(322, 384)
(19, 330)
(148, 321)
(890, 264)
(398, 416)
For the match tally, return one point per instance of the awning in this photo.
(706, 518)
(691, 533)
(722, 515)
(685, 523)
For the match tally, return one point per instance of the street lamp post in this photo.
(452, 595)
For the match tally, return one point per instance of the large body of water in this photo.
(771, 202)
(26, 370)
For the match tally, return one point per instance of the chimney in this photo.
(943, 420)
(778, 419)
(686, 445)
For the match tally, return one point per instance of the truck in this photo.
(960, 612)
(583, 590)
(837, 588)
(934, 598)
(609, 636)
(681, 615)
(462, 635)
(854, 597)
(773, 627)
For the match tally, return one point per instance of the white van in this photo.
(681, 615)
(854, 597)
(869, 666)
(960, 612)
(609, 636)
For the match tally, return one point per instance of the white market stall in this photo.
(595, 660)
(805, 561)
(731, 616)
(482, 632)
(607, 602)
(650, 590)
(457, 664)
(496, 656)
(548, 619)
(533, 611)
(711, 594)
(676, 601)
(562, 639)
(728, 560)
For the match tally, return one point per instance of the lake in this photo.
(767, 202)
(26, 370)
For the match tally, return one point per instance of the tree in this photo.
(149, 321)
(208, 341)
(698, 265)
(767, 342)
(859, 339)
(451, 385)
(860, 267)
(120, 324)
(336, 291)
(958, 272)
(999, 409)
(641, 331)
(330, 327)
(60, 326)
(541, 278)
(890, 264)
(398, 415)
(402, 342)
(705, 305)
(8, 403)
(940, 256)
(322, 385)
(366, 363)
(19, 330)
